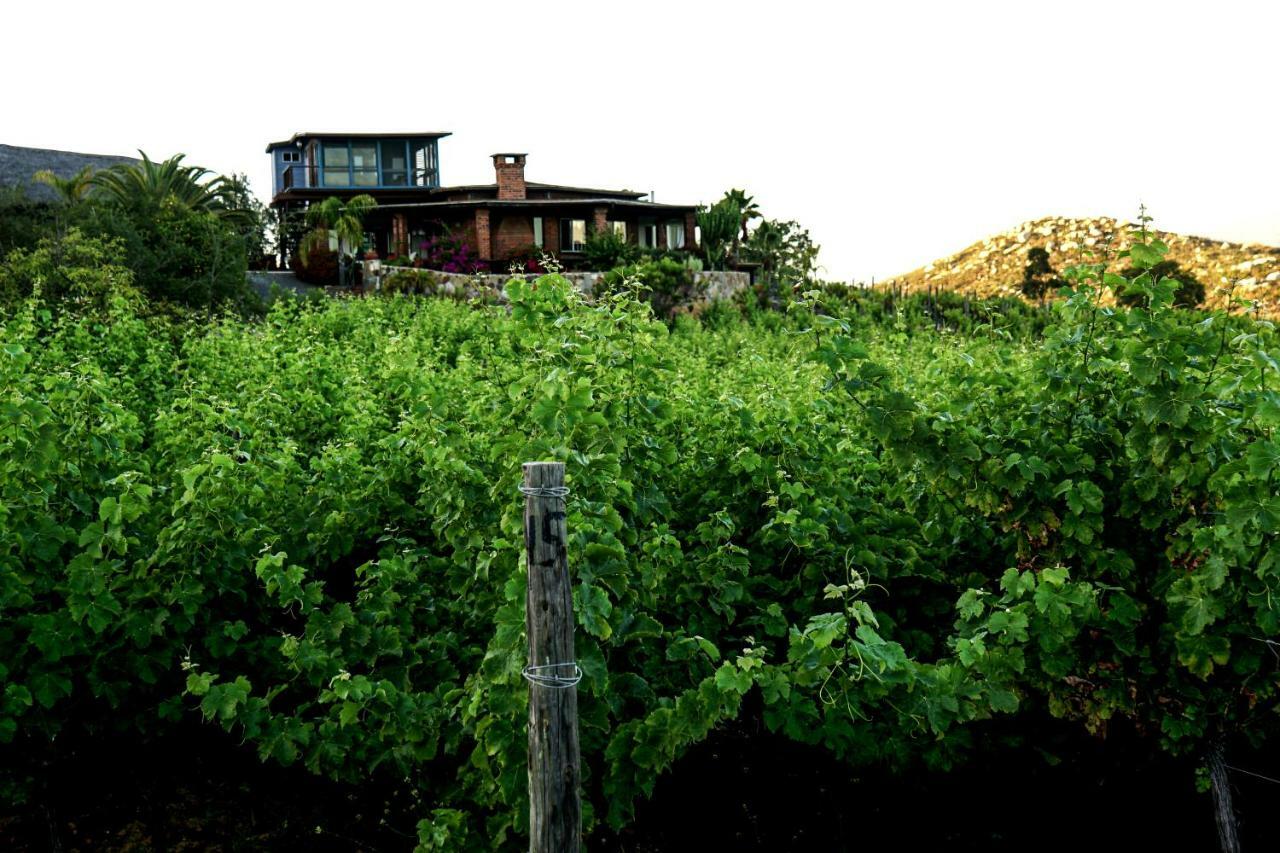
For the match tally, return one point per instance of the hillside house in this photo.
(511, 217)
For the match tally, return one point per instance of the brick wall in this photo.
(511, 233)
(551, 234)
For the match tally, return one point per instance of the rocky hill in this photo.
(993, 267)
(18, 165)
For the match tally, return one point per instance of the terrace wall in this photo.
(712, 285)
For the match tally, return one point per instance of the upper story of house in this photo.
(310, 164)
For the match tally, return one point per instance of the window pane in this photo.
(395, 167)
(335, 155)
(619, 228)
(335, 163)
(573, 235)
(537, 231)
(364, 162)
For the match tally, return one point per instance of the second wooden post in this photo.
(555, 806)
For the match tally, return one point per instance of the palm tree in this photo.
(71, 190)
(332, 216)
(151, 184)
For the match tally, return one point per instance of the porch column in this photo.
(691, 235)
(600, 219)
(661, 225)
(484, 245)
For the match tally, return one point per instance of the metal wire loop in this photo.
(544, 676)
(545, 491)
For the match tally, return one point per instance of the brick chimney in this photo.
(510, 169)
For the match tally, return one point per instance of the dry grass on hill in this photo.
(993, 267)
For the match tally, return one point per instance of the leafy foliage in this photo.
(184, 235)
(606, 249)
(840, 524)
(146, 187)
(341, 219)
(665, 283)
(64, 271)
(1188, 292)
(718, 226)
(1122, 480)
(788, 257)
(71, 190)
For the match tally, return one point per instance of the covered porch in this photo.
(498, 232)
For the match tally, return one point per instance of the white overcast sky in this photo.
(898, 132)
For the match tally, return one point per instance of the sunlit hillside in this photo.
(994, 266)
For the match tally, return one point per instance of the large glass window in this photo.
(395, 166)
(675, 235)
(336, 165)
(537, 231)
(364, 164)
(573, 235)
(618, 228)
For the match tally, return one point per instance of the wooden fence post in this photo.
(555, 806)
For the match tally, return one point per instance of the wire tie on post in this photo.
(545, 491)
(544, 676)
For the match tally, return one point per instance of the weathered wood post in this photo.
(555, 806)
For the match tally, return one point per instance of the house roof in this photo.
(586, 192)
(534, 185)
(540, 202)
(308, 134)
(18, 165)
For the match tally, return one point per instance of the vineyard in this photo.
(901, 538)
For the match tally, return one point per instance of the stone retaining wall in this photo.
(711, 285)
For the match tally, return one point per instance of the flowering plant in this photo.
(450, 252)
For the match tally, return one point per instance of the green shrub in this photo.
(72, 271)
(23, 222)
(665, 282)
(605, 250)
(1188, 291)
(320, 267)
(720, 314)
(188, 257)
(410, 281)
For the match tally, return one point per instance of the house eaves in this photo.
(310, 134)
